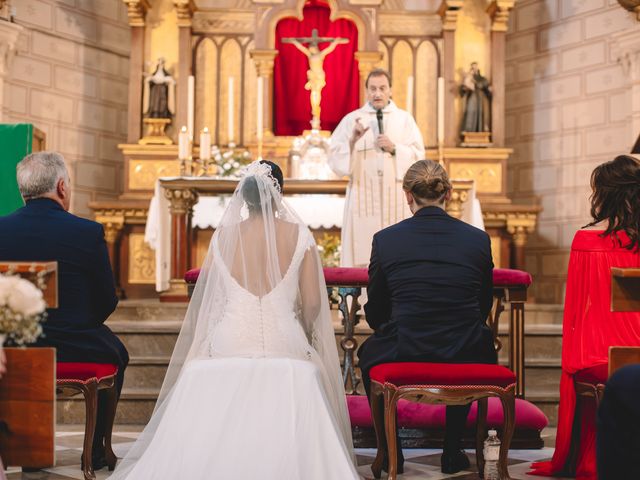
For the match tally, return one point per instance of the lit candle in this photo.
(440, 110)
(260, 108)
(191, 93)
(410, 95)
(230, 111)
(205, 144)
(183, 144)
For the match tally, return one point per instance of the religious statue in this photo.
(315, 74)
(159, 94)
(477, 109)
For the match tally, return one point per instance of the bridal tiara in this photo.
(258, 169)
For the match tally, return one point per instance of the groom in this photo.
(430, 292)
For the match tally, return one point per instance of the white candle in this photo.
(260, 108)
(440, 110)
(410, 95)
(205, 144)
(191, 93)
(230, 111)
(183, 144)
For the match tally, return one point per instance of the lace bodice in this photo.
(262, 326)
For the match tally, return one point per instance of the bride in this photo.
(254, 387)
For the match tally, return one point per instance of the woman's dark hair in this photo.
(616, 198)
(250, 191)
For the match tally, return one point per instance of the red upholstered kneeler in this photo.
(439, 383)
(87, 378)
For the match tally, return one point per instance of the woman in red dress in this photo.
(589, 327)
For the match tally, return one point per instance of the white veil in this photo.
(259, 241)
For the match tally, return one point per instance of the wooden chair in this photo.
(449, 384)
(87, 379)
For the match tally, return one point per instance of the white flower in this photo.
(24, 297)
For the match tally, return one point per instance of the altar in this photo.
(240, 94)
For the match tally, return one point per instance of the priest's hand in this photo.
(358, 131)
(384, 143)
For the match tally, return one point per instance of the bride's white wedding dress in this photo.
(253, 394)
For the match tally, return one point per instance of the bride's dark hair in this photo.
(250, 191)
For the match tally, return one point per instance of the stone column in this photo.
(113, 222)
(264, 60)
(519, 227)
(184, 10)
(449, 13)
(498, 10)
(9, 33)
(181, 209)
(627, 51)
(367, 61)
(137, 10)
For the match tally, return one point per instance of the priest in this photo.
(373, 146)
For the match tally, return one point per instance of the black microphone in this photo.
(379, 117)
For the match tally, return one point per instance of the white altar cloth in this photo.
(317, 211)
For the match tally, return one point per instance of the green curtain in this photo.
(16, 141)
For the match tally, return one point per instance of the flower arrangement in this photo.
(22, 308)
(329, 248)
(231, 161)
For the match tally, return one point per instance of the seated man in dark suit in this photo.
(429, 294)
(618, 434)
(44, 230)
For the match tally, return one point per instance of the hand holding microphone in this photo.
(382, 141)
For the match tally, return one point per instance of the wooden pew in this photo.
(28, 389)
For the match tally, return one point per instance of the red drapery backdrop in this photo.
(292, 108)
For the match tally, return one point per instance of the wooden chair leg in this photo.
(390, 403)
(508, 401)
(90, 392)
(110, 414)
(481, 433)
(377, 414)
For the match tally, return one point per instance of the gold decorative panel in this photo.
(206, 88)
(426, 92)
(401, 69)
(496, 250)
(250, 97)
(144, 173)
(230, 67)
(142, 265)
(488, 176)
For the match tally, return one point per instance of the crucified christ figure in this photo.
(315, 74)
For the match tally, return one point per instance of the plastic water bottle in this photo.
(491, 455)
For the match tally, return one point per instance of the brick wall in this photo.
(70, 79)
(568, 109)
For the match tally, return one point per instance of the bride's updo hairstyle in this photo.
(427, 181)
(615, 198)
(250, 191)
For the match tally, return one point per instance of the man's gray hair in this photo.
(38, 173)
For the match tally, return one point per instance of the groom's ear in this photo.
(409, 197)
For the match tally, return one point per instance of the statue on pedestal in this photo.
(158, 104)
(315, 75)
(476, 120)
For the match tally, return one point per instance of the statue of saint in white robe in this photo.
(374, 198)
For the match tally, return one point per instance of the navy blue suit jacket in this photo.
(430, 292)
(43, 231)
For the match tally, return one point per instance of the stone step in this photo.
(148, 310)
(134, 408)
(147, 338)
(146, 372)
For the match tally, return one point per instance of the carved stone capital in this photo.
(632, 6)
(9, 33)
(367, 61)
(181, 200)
(185, 10)
(458, 198)
(112, 224)
(448, 11)
(263, 60)
(519, 226)
(137, 11)
(499, 10)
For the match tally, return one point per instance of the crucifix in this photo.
(315, 74)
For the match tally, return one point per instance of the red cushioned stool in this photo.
(440, 383)
(87, 378)
(589, 382)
